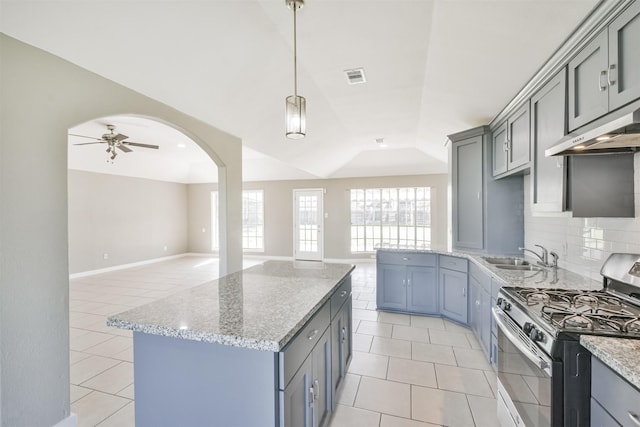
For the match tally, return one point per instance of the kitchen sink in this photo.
(506, 261)
(526, 267)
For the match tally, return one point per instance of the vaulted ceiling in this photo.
(433, 67)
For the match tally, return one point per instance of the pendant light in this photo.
(296, 106)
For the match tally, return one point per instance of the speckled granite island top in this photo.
(260, 308)
(545, 278)
(621, 355)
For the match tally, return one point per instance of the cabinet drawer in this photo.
(453, 263)
(300, 346)
(340, 296)
(407, 258)
(621, 399)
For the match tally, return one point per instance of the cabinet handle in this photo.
(344, 334)
(478, 195)
(312, 396)
(559, 162)
(316, 389)
(405, 259)
(601, 86)
(612, 70)
(343, 294)
(408, 282)
(313, 334)
(634, 417)
(464, 291)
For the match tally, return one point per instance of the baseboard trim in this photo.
(70, 421)
(123, 266)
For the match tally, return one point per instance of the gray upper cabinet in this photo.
(624, 57)
(499, 145)
(467, 178)
(488, 214)
(588, 98)
(511, 143)
(548, 126)
(604, 75)
(518, 153)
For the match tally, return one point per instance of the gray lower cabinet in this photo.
(307, 398)
(614, 401)
(548, 126)
(480, 303)
(604, 76)
(407, 282)
(453, 288)
(341, 346)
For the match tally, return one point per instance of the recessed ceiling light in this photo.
(181, 145)
(381, 143)
(355, 76)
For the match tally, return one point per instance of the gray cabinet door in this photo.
(453, 295)
(467, 191)
(475, 318)
(341, 346)
(548, 126)
(298, 397)
(588, 86)
(499, 148)
(422, 290)
(624, 57)
(321, 382)
(519, 138)
(391, 287)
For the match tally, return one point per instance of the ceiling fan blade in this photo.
(124, 148)
(120, 137)
(137, 144)
(84, 136)
(89, 143)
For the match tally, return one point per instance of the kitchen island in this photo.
(264, 346)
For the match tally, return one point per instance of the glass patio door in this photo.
(308, 221)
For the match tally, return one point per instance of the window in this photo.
(390, 218)
(252, 220)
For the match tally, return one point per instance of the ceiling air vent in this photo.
(355, 76)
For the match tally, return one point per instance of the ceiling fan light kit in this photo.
(114, 141)
(296, 106)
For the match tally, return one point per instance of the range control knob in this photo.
(535, 334)
(504, 304)
(527, 328)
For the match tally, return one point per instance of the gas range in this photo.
(554, 314)
(538, 337)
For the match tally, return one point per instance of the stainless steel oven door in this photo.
(524, 376)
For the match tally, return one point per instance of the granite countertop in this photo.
(621, 355)
(259, 308)
(557, 278)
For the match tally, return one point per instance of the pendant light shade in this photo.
(296, 106)
(296, 115)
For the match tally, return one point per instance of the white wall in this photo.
(42, 97)
(129, 219)
(589, 241)
(278, 215)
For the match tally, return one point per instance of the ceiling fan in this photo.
(114, 141)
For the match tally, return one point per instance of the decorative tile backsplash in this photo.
(583, 244)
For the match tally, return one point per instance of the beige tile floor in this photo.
(406, 371)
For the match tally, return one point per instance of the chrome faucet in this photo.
(544, 258)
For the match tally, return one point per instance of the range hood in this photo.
(621, 135)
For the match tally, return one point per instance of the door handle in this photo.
(612, 71)
(312, 334)
(601, 86)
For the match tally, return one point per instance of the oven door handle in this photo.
(541, 362)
